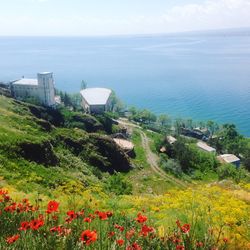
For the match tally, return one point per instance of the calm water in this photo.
(198, 76)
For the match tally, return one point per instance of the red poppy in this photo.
(109, 214)
(111, 234)
(72, 215)
(11, 208)
(52, 207)
(88, 237)
(199, 244)
(25, 225)
(179, 247)
(134, 246)
(36, 224)
(120, 242)
(102, 216)
(141, 218)
(121, 228)
(56, 229)
(145, 230)
(185, 228)
(225, 240)
(12, 239)
(87, 219)
(130, 233)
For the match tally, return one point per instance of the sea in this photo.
(200, 75)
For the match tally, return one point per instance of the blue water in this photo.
(199, 76)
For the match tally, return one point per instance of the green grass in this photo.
(140, 159)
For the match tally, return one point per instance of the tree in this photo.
(83, 85)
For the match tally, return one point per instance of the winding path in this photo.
(152, 158)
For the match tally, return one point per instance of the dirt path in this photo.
(152, 158)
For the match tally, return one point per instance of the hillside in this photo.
(64, 162)
(47, 149)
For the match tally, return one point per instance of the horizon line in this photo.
(247, 28)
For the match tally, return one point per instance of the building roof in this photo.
(228, 158)
(205, 147)
(96, 96)
(124, 144)
(26, 81)
(171, 139)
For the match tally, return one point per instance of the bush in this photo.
(171, 166)
(230, 171)
(118, 185)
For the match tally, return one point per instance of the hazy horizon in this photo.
(109, 18)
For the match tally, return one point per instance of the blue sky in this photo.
(112, 17)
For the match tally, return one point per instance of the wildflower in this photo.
(25, 225)
(120, 242)
(12, 239)
(88, 237)
(71, 216)
(134, 246)
(111, 234)
(87, 219)
(130, 233)
(225, 240)
(109, 214)
(102, 216)
(26, 201)
(145, 230)
(56, 229)
(36, 224)
(199, 244)
(121, 228)
(54, 217)
(180, 247)
(185, 228)
(11, 208)
(52, 207)
(141, 218)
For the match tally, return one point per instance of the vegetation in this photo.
(67, 165)
(47, 149)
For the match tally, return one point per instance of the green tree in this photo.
(83, 85)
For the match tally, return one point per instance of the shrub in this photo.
(118, 185)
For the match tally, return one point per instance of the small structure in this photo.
(229, 158)
(171, 139)
(96, 100)
(203, 146)
(41, 88)
(125, 145)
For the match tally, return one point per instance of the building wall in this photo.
(97, 108)
(44, 91)
(46, 88)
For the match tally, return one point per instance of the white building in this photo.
(229, 158)
(96, 100)
(41, 88)
(203, 146)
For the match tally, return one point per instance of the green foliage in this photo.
(191, 158)
(34, 138)
(142, 116)
(118, 185)
(171, 166)
(226, 171)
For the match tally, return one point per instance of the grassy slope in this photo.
(76, 153)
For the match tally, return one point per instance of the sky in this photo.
(119, 17)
